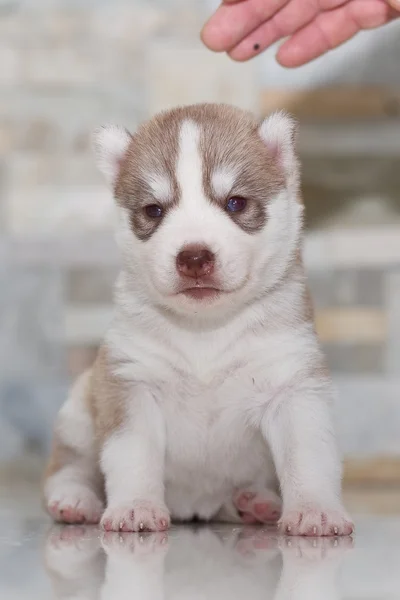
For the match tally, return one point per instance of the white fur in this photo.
(111, 143)
(189, 166)
(222, 181)
(160, 186)
(278, 132)
(219, 392)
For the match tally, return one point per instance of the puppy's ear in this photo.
(279, 131)
(110, 144)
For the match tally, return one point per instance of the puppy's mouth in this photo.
(201, 293)
(200, 290)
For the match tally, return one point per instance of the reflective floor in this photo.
(38, 560)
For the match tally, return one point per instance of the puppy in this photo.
(209, 397)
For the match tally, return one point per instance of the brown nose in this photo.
(195, 261)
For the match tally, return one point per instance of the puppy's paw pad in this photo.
(138, 516)
(316, 522)
(262, 506)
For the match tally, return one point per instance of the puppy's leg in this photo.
(132, 460)
(299, 430)
(72, 488)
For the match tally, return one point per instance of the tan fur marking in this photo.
(105, 401)
(61, 456)
(108, 397)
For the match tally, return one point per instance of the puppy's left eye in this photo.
(236, 204)
(154, 211)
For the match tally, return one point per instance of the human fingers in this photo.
(293, 16)
(232, 22)
(331, 28)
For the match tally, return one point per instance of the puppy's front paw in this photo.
(74, 504)
(314, 521)
(141, 515)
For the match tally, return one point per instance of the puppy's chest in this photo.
(188, 399)
(212, 397)
(208, 421)
(207, 394)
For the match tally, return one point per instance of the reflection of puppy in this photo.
(201, 564)
(211, 363)
(75, 563)
(310, 568)
(135, 566)
(215, 566)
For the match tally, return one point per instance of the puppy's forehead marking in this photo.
(160, 185)
(189, 172)
(222, 180)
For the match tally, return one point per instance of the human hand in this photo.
(244, 28)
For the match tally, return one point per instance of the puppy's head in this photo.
(208, 201)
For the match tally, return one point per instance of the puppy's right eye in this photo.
(153, 211)
(236, 204)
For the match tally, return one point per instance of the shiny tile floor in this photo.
(41, 561)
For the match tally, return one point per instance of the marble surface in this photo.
(40, 560)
